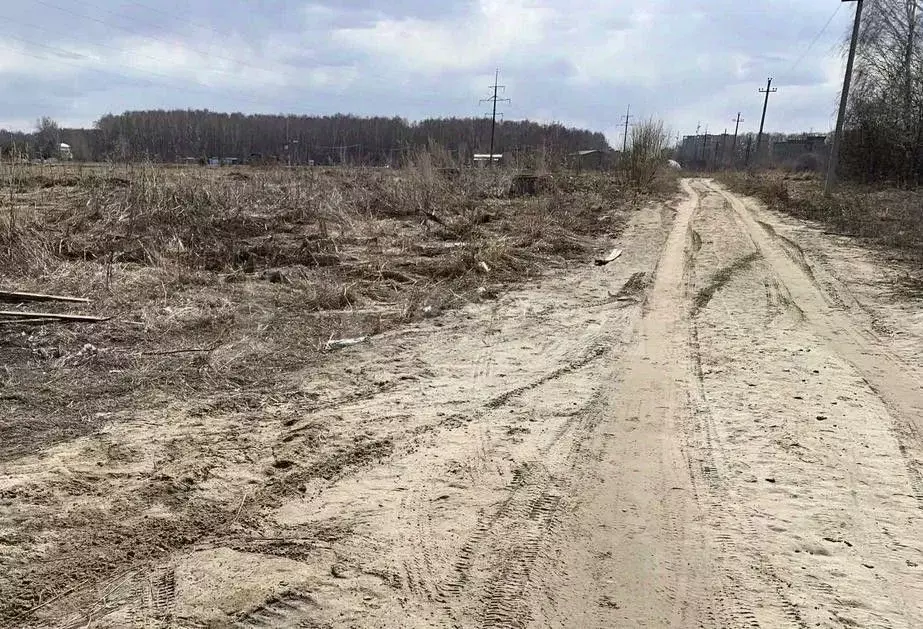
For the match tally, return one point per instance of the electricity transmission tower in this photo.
(496, 87)
(759, 138)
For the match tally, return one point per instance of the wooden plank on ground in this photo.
(16, 314)
(16, 296)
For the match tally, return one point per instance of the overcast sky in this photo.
(579, 62)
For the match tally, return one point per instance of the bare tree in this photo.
(47, 137)
(885, 120)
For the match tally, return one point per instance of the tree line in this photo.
(883, 139)
(178, 135)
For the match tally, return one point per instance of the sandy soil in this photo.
(722, 428)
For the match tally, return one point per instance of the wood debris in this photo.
(19, 297)
(10, 317)
(341, 343)
(613, 255)
(6, 316)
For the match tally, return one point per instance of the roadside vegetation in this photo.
(646, 155)
(221, 283)
(884, 216)
(883, 142)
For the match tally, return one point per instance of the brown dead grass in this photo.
(223, 287)
(222, 283)
(888, 219)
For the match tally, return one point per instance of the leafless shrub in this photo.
(645, 157)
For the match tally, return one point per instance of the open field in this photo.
(224, 282)
(223, 288)
(719, 428)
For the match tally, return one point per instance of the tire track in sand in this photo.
(803, 600)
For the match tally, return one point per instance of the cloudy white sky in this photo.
(579, 62)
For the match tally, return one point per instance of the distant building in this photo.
(64, 152)
(592, 159)
(804, 152)
(707, 151)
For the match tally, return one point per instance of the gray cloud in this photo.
(574, 61)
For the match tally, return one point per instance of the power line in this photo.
(159, 60)
(172, 16)
(205, 54)
(816, 39)
(67, 57)
(90, 18)
(139, 34)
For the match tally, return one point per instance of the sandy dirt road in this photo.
(720, 429)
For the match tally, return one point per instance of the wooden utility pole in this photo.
(705, 147)
(288, 145)
(844, 98)
(496, 87)
(759, 138)
(734, 145)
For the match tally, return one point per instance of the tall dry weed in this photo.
(646, 155)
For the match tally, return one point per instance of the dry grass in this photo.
(890, 219)
(887, 217)
(224, 284)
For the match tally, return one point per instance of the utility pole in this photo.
(695, 142)
(628, 117)
(288, 145)
(705, 147)
(493, 119)
(759, 138)
(908, 55)
(734, 145)
(844, 97)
